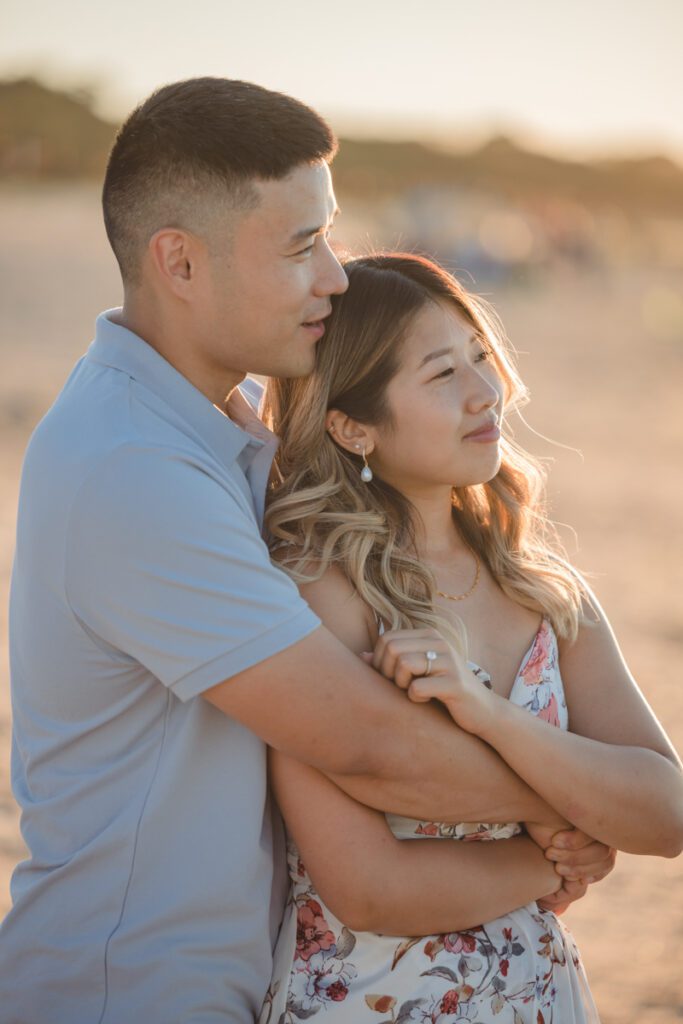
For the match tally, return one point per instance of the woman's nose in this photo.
(483, 393)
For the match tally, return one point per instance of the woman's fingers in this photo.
(402, 663)
(401, 655)
(422, 663)
(578, 856)
(414, 665)
(405, 637)
(571, 839)
(590, 852)
(407, 667)
(591, 862)
(561, 899)
(385, 650)
(588, 876)
(441, 688)
(575, 890)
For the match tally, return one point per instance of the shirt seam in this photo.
(131, 869)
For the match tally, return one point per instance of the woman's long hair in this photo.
(320, 513)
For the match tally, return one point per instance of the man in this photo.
(141, 584)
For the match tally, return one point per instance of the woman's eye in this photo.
(445, 373)
(302, 252)
(481, 356)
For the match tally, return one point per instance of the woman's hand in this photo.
(562, 898)
(423, 664)
(577, 857)
(579, 860)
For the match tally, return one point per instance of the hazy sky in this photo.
(596, 75)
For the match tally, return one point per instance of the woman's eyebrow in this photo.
(435, 355)
(448, 349)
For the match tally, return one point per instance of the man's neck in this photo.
(215, 383)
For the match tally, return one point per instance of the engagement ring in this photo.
(430, 656)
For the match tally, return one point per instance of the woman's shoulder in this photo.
(337, 603)
(592, 621)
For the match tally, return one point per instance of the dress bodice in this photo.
(520, 968)
(538, 688)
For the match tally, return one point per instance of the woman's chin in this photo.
(483, 476)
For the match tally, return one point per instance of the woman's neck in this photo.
(436, 534)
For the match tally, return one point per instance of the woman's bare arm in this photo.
(615, 776)
(372, 881)
(484, 788)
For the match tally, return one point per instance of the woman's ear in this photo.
(349, 433)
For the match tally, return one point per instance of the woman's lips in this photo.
(491, 432)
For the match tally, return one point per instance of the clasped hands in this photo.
(402, 657)
(579, 860)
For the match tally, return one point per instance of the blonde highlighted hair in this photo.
(320, 513)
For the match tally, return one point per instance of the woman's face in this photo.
(446, 403)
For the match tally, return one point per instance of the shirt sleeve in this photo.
(166, 564)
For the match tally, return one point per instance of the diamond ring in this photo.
(430, 656)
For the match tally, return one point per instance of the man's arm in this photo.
(166, 564)
(318, 702)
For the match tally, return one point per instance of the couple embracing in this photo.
(364, 630)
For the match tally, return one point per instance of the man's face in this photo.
(271, 281)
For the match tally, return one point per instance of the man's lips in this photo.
(318, 316)
(316, 327)
(316, 324)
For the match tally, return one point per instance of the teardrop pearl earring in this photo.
(366, 472)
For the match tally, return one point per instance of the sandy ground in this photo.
(601, 384)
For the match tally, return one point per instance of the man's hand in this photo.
(578, 859)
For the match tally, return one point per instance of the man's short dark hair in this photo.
(199, 143)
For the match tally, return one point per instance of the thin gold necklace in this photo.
(461, 597)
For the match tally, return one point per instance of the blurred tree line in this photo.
(501, 211)
(47, 133)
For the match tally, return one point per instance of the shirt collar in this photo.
(228, 436)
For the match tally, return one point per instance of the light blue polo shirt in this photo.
(152, 893)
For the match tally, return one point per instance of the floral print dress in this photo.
(522, 968)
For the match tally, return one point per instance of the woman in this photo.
(415, 528)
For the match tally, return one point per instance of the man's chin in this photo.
(301, 367)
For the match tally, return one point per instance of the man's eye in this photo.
(302, 252)
(445, 373)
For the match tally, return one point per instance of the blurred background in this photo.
(537, 150)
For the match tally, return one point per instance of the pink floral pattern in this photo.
(522, 968)
(536, 686)
(312, 934)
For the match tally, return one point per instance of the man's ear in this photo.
(349, 433)
(174, 255)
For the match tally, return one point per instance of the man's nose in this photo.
(332, 279)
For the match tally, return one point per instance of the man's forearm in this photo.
(322, 705)
(424, 767)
